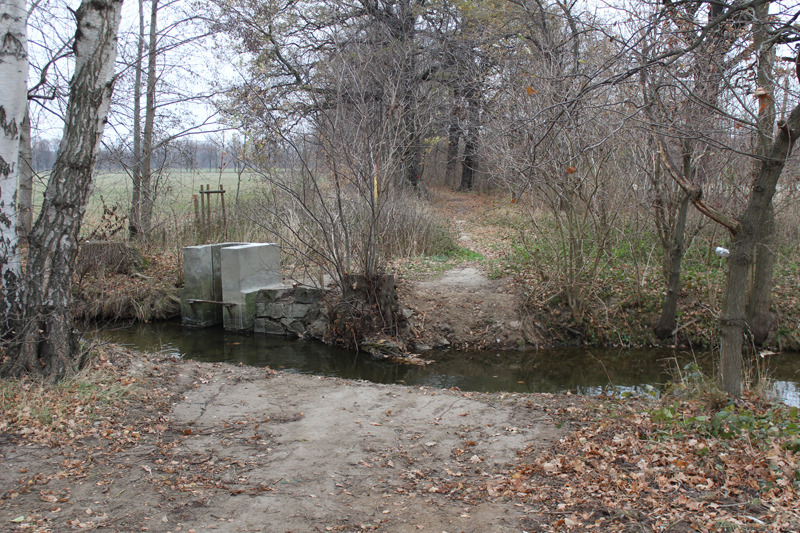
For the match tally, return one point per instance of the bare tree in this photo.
(289, 42)
(691, 134)
(43, 340)
(164, 88)
(735, 37)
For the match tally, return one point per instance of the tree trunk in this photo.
(148, 196)
(759, 319)
(470, 161)
(412, 151)
(453, 137)
(13, 99)
(733, 315)
(25, 187)
(45, 343)
(135, 225)
(468, 164)
(667, 322)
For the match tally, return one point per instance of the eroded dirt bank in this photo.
(221, 448)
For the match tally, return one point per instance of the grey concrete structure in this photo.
(198, 280)
(239, 285)
(246, 269)
(203, 285)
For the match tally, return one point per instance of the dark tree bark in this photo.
(470, 162)
(759, 318)
(136, 191)
(25, 186)
(733, 316)
(667, 322)
(453, 138)
(45, 343)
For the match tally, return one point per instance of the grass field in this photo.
(175, 188)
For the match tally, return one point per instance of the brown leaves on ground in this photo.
(105, 450)
(627, 472)
(92, 403)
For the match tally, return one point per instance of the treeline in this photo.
(187, 154)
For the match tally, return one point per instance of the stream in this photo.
(580, 370)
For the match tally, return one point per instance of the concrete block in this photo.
(198, 285)
(246, 270)
(199, 315)
(216, 268)
(239, 317)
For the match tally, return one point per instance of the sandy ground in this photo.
(463, 309)
(245, 449)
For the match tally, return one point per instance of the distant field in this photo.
(175, 188)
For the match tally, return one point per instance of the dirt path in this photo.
(462, 308)
(241, 449)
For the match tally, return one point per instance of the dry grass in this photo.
(77, 407)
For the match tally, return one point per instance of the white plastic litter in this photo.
(722, 252)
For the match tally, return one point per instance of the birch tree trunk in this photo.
(45, 343)
(13, 100)
(25, 184)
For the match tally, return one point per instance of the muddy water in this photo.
(579, 370)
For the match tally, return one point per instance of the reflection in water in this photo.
(580, 370)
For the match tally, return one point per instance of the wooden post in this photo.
(224, 217)
(202, 205)
(196, 209)
(208, 205)
(202, 214)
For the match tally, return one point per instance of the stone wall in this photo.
(293, 311)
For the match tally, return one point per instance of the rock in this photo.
(441, 343)
(307, 295)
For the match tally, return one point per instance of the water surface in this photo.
(588, 371)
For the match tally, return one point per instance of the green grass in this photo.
(433, 265)
(176, 188)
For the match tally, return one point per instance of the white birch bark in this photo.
(13, 99)
(45, 343)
